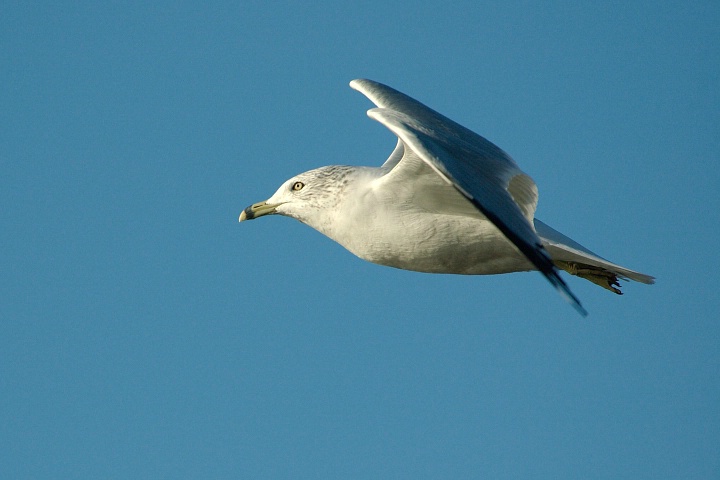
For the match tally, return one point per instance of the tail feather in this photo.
(575, 259)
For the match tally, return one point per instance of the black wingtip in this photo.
(536, 253)
(554, 277)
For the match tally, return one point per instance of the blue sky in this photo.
(144, 333)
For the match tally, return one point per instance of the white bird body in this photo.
(445, 201)
(421, 238)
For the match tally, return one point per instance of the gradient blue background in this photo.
(144, 333)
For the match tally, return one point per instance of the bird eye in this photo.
(298, 186)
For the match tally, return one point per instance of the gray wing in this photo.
(478, 169)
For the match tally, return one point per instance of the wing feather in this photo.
(477, 168)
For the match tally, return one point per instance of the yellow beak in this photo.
(258, 210)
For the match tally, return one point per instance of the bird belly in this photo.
(439, 243)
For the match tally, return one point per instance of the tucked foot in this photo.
(597, 275)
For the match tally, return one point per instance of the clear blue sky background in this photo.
(144, 333)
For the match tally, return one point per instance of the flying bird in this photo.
(446, 201)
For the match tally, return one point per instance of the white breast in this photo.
(426, 241)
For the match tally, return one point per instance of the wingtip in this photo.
(571, 299)
(556, 280)
(577, 305)
(356, 84)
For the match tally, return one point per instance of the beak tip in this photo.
(247, 214)
(257, 210)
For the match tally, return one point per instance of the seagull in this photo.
(446, 201)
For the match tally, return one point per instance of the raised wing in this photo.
(478, 169)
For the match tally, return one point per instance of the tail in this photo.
(575, 259)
